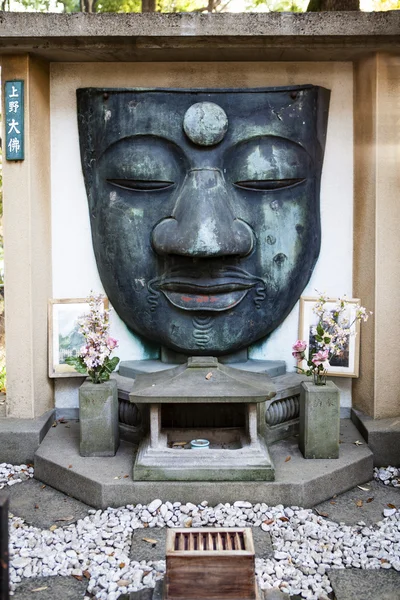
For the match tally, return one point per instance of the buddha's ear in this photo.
(86, 107)
(323, 99)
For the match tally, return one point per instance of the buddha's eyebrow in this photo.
(270, 137)
(137, 136)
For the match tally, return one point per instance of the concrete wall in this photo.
(26, 188)
(74, 269)
(377, 226)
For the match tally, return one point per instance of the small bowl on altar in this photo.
(200, 444)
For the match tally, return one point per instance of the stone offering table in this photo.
(203, 399)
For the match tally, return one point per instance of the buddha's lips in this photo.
(197, 294)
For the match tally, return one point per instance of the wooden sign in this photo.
(14, 115)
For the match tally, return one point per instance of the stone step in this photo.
(103, 482)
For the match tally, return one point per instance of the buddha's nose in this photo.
(202, 223)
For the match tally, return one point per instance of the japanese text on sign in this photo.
(14, 113)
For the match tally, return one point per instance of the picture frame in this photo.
(346, 365)
(64, 338)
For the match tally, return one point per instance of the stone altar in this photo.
(235, 425)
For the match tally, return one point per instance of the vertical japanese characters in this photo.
(14, 117)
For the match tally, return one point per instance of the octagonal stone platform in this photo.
(103, 482)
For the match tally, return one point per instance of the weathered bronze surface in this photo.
(204, 207)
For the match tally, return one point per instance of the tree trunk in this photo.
(325, 5)
(88, 6)
(148, 6)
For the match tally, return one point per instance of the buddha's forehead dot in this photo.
(205, 123)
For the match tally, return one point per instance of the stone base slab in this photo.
(246, 463)
(132, 368)
(281, 431)
(103, 482)
(382, 436)
(20, 438)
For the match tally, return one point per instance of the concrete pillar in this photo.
(27, 244)
(377, 231)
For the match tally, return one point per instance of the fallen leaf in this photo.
(209, 375)
(358, 443)
(288, 458)
(41, 589)
(150, 540)
(43, 486)
(369, 500)
(121, 565)
(334, 496)
(54, 425)
(179, 444)
(340, 442)
(359, 503)
(87, 574)
(78, 577)
(117, 477)
(145, 525)
(364, 489)
(333, 502)
(321, 514)
(69, 466)
(65, 519)
(383, 560)
(123, 582)
(53, 527)
(36, 505)
(391, 505)
(269, 522)
(62, 420)
(146, 573)
(188, 522)
(125, 476)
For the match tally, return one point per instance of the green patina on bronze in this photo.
(204, 207)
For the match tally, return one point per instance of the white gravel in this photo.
(12, 474)
(305, 546)
(387, 476)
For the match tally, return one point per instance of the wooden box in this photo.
(210, 564)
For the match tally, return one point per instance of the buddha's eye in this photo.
(267, 184)
(141, 185)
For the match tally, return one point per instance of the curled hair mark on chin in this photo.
(154, 295)
(202, 327)
(260, 296)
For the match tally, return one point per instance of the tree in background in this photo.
(325, 5)
(284, 6)
(135, 6)
(386, 4)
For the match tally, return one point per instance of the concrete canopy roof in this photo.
(133, 37)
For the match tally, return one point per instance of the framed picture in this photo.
(345, 364)
(64, 337)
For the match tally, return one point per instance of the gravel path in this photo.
(12, 474)
(306, 544)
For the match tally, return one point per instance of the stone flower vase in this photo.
(98, 418)
(319, 420)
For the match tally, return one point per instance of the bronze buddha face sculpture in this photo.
(204, 208)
